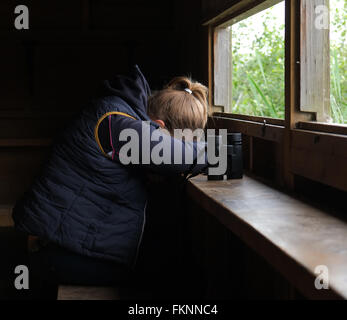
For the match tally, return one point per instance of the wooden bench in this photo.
(87, 293)
(6, 215)
(293, 236)
(71, 292)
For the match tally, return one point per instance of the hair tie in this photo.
(188, 90)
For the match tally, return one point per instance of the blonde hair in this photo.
(179, 108)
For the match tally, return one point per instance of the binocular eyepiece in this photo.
(234, 169)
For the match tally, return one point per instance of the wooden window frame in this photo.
(297, 123)
(238, 12)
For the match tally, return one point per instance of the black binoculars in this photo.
(234, 158)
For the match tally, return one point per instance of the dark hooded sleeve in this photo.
(183, 158)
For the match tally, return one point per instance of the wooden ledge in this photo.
(87, 293)
(294, 237)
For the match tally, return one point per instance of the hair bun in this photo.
(198, 90)
(180, 83)
(178, 109)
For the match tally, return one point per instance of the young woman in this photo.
(87, 209)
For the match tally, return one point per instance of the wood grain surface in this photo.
(293, 236)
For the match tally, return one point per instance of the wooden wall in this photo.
(55, 65)
(211, 9)
(50, 71)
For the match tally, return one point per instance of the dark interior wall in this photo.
(55, 66)
(191, 44)
(50, 71)
(71, 46)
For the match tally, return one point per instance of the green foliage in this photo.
(258, 64)
(338, 63)
(258, 70)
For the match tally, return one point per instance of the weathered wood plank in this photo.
(217, 12)
(323, 127)
(293, 236)
(253, 129)
(315, 61)
(222, 68)
(320, 157)
(87, 293)
(276, 122)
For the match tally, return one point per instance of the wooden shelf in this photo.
(293, 236)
